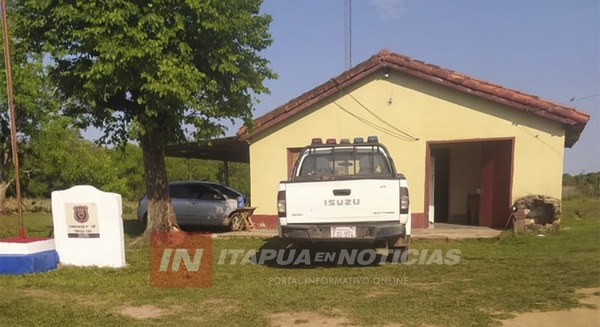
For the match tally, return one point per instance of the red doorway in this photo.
(477, 186)
(496, 180)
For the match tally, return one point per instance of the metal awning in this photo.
(225, 149)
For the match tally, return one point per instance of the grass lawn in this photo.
(493, 280)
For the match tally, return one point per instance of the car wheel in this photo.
(235, 221)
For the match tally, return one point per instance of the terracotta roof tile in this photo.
(573, 120)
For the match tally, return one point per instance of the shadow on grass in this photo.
(271, 254)
(205, 229)
(133, 228)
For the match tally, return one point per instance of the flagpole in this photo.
(11, 110)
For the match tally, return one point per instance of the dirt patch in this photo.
(38, 293)
(377, 293)
(305, 318)
(581, 317)
(425, 286)
(220, 305)
(143, 311)
(311, 319)
(214, 302)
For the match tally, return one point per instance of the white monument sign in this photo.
(88, 227)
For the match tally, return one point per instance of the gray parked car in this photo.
(200, 204)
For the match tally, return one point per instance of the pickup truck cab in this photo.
(346, 192)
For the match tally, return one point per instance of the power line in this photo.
(574, 99)
(375, 126)
(406, 136)
(381, 119)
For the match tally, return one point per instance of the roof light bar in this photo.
(316, 140)
(331, 141)
(359, 140)
(345, 141)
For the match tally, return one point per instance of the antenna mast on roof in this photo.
(348, 32)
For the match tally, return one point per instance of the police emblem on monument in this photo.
(82, 220)
(81, 214)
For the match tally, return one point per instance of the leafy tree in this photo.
(210, 170)
(584, 184)
(144, 70)
(183, 169)
(57, 158)
(34, 100)
(128, 163)
(239, 176)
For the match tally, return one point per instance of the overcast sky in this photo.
(548, 48)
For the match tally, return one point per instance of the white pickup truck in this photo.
(346, 192)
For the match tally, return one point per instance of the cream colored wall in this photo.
(424, 110)
(465, 161)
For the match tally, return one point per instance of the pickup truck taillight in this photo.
(281, 210)
(404, 201)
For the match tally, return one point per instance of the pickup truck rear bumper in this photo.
(370, 233)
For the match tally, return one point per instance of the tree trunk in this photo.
(3, 187)
(161, 217)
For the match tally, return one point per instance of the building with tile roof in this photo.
(468, 147)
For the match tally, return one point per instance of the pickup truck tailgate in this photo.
(363, 200)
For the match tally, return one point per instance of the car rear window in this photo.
(343, 161)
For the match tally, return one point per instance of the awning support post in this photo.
(226, 171)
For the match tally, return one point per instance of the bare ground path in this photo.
(588, 316)
(580, 317)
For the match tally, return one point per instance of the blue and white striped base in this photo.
(26, 256)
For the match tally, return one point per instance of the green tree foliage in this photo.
(129, 166)
(144, 70)
(239, 176)
(56, 157)
(182, 169)
(34, 99)
(583, 184)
